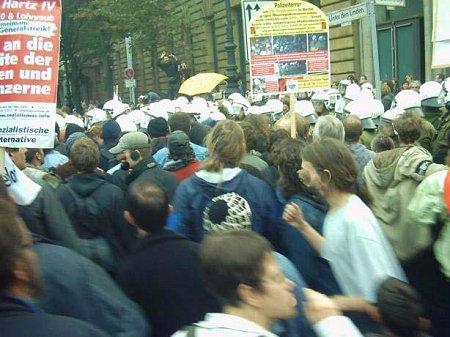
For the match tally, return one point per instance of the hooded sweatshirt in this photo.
(94, 188)
(193, 195)
(391, 178)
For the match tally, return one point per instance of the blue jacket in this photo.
(314, 269)
(162, 156)
(193, 195)
(19, 318)
(76, 287)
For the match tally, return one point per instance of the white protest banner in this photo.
(289, 48)
(21, 188)
(29, 65)
(441, 35)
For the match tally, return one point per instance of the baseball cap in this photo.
(131, 141)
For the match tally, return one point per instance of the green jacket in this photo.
(391, 178)
(428, 208)
(367, 137)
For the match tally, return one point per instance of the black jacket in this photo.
(46, 217)
(147, 170)
(95, 187)
(18, 319)
(163, 276)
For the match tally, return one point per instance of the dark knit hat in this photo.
(158, 127)
(111, 130)
(228, 211)
(72, 128)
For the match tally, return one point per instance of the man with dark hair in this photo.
(95, 205)
(34, 160)
(252, 161)
(381, 143)
(163, 273)
(182, 160)
(158, 129)
(400, 308)
(182, 122)
(20, 284)
(239, 267)
(171, 66)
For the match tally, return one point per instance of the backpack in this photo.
(91, 226)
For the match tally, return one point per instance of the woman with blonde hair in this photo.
(220, 174)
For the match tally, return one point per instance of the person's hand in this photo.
(373, 312)
(319, 306)
(293, 215)
(163, 54)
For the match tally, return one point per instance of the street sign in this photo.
(249, 10)
(391, 3)
(130, 83)
(348, 15)
(129, 73)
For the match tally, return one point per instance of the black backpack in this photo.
(89, 217)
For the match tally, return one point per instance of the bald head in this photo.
(149, 205)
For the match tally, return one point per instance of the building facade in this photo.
(199, 35)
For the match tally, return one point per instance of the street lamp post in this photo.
(230, 47)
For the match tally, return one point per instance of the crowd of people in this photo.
(188, 217)
(291, 68)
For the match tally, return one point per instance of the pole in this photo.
(230, 47)
(375, 56)
(130, 65)
(292, 101)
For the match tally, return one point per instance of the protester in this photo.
(21, 285)
(252, 161)
(111, 135)
(431, 274)
(182, 161)
(387, 97)
(292, 188)
(400, 309)
(352, 242)
(381, 143)
(392, 177)
(95, 206)
(134, 151)
(34, 160)
(353, 132)
(163, 272)
(171, 66)
(229, 212)
(180, 121)
(221, 174)
(158, 129)
(239, 268)
(45, 215)
(329, 126)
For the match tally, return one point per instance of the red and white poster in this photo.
(29, 64)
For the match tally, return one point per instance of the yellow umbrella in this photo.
(202, 83)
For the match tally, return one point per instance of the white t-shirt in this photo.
(357, 250)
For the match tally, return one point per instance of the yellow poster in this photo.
(289, 48)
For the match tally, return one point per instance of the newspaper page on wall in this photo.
(288, 44)
(29, 64)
